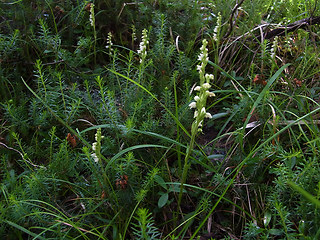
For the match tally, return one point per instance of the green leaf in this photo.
(160, 181)
(304, 193)
(276, 232)
(263, 93)
(176, 188)
(24, 230)
(219, 115)
(267, 218)
(163, 200)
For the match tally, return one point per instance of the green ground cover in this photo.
(159, 119)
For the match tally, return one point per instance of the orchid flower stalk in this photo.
(143, 46)
(109, 43)
(92, 20)
(200, 100)
(199, 104)
(96, 146)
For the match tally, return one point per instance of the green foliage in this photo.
(253, 171)
(145, 228)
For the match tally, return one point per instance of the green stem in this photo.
(177, 117)
(186, 166)
(94, 45)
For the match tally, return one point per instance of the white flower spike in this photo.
(200, 99)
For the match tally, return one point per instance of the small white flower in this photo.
(96, 136)
(209, 77)
(200, 67)
(95, 157)
(94, 146)
(208, 115)
(200, 56)
(195, 114)
(192, 105)
(197, 88)
(203, 110)
(210, 94)
(204, 44)
(196, 98)
(206, 85)
(215, 30)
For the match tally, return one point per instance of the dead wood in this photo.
(301, 24)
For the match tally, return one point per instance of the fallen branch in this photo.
(301, 24)
(231, 17)
(21, 154)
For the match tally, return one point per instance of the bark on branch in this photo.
(301, 24)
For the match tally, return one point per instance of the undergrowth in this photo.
(158, 120)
